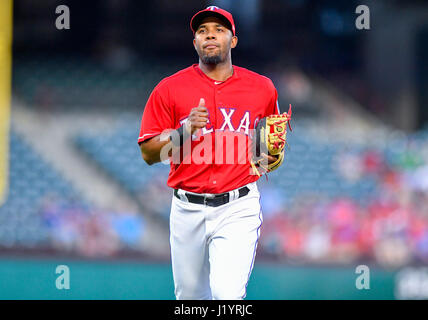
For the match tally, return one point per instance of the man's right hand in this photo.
(198, 117)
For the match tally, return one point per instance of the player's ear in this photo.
(234, 42)
(194, 43)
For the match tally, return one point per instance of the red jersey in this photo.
(234, 108)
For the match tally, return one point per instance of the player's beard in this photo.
(212, 59)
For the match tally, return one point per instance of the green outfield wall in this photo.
(43, 279)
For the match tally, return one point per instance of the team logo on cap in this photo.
(212, 8)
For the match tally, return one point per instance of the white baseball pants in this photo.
(213, 248)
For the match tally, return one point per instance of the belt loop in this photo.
(182, 195)
(233, 195)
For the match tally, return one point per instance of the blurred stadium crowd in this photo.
(335, 200)
(376, 210)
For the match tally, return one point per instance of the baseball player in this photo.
(215, 215)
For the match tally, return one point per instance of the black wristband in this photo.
(180, 141)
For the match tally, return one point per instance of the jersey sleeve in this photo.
(157, 115)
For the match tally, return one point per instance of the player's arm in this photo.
(151, 148)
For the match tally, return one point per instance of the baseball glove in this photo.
(270, 138)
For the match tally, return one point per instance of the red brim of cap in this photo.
(198, 17)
